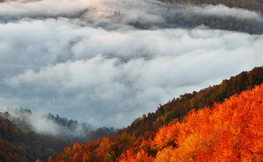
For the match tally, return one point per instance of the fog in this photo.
(222, 10)
(86, 61)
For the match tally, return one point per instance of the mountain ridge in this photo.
(179, 107)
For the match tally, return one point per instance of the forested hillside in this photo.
(253, 5)
(179, 107)
(190, 14)
(187, 17)
(22, 140)
(131, 142)
(25, 146)
(221, 18)
(230, 131)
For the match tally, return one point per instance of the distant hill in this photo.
(253, 5)
(25, 146)
(19, 140)
(231, 23)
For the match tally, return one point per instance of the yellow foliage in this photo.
(76, 147)
(166, 155)
(141, 156)
(165, 136)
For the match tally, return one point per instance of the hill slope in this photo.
(136, 138)
(229, 131)
(179, 107)
(253, 5)
(26, 146)
(19, 138)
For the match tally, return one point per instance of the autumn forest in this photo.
(219, 122)
(109, 62)
(230, 130)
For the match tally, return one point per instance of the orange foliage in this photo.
(141, 156)
(232, 131)
(165, 136)
(99, 150)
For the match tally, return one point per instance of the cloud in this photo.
(107, 88)
(222, 10)
(95, 67)
(116, 12)
(41, 8)
(86, 10)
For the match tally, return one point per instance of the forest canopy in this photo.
(230, 131)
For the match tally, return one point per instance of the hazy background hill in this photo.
(26, 136)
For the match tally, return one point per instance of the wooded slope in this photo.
(230, 131)
(179, 107)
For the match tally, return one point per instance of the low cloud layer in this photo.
(108, 75)
(222, 10)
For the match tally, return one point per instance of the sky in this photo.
(82, 59)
